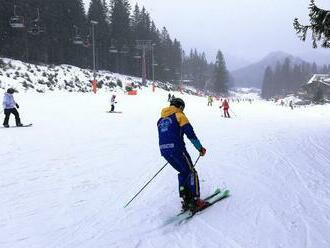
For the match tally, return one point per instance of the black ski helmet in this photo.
(11, 91)
(177, 102)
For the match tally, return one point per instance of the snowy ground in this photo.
(64, 181)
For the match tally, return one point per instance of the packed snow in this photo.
(65, 180)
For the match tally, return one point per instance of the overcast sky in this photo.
(247, 29)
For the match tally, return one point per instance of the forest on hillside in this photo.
(60, 32)
(288, 77)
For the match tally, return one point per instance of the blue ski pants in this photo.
(188, 177)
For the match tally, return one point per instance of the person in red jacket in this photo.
(225, 106)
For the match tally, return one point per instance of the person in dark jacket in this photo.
(113, 102)
(169, 97)
(172, 125)
(10, 107)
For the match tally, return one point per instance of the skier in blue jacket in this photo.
(9, 106)
(172, 125)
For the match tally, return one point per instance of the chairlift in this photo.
(113, 49)
(137, 56)
(77, 40)
(38, 17)
(124, 49)
(16, 21)
(35, 28)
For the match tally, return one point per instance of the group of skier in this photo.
(170, 97)
(172, 126)
(10, 106)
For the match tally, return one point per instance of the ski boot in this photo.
(187, 199)
(6, 125)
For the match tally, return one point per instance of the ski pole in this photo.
(145, 185)
(197, 160)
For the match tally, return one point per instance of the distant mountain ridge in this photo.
(252, 75)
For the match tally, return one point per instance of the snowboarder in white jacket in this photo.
(10, 107)
(113, 102)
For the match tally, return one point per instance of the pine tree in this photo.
(121, 34)
(286, 78)
(268, 84)
(65, 20)
(319, 25)
(221, 76)
(97, 12)
(6, 32)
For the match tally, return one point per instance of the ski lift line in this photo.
(37, 19)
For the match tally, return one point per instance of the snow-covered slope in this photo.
(43, 78)
(64, 181)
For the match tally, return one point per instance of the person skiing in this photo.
(113, 102)
(169, 97)
(225, 106)
(291, 104)
(171, 127)
(209, 101)
(10, 107)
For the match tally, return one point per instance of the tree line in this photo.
(287, 78)
(207, 76)
(60, 32)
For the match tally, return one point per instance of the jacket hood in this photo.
(170, 111)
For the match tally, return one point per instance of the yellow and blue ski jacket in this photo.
(171, 127)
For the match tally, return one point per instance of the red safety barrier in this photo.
(132, 92)
(94, 82)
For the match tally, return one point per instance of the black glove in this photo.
(17, 106)
(202, 151)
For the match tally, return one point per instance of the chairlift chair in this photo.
(35, 29)
(113, 49)
(137, 56)
(77, 40)
(124, 49)
(17, 22)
